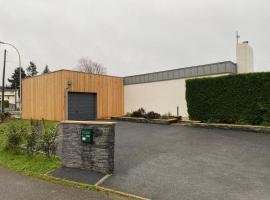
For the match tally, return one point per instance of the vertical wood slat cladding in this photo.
(44, 96)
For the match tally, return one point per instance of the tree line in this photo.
(84, 64)
(30, 71)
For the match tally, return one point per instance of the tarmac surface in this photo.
(78, 175)
(14, 186)
(176, 162)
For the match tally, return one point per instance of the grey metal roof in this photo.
(188, 72)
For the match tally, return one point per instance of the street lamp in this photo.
(20, 67)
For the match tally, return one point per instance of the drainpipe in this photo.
(68, 86)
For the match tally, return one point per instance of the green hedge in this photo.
(240, 98)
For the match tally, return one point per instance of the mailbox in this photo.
(87, 135)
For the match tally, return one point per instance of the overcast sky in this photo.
(133, 36)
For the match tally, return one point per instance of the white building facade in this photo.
(165, 92)
(10, 95)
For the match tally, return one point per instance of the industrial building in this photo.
(164, 92)
(73, 95)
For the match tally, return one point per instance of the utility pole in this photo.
(3, 82)
(20, 66)
(15, 90)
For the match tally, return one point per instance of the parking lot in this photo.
(176, 162)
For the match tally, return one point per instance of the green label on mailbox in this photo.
(87, 135)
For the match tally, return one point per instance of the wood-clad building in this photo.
(72, 95)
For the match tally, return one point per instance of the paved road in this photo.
(174, 162)
(14, 186)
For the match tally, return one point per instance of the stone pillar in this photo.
(97, 156)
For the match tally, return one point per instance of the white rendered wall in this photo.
(161, 97)
(244, 58)
(9, 95)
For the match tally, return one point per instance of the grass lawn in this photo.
(38, 165)
(21, 162)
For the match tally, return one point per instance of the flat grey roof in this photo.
(180, 73)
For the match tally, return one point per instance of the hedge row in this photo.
(240, 98)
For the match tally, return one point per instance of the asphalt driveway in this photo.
(175, 162)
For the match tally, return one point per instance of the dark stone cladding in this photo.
(98, 156)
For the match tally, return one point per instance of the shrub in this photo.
(138, 113)
(236, 98)
(152, 115)
(7, 114)
(6, 103)
(34, 136)
(4, 116)
(15, 134)
(167, 116)
(128, 114)
(48, 142)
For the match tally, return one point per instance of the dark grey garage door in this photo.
(82, 106)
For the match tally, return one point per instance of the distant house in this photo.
(10, 95)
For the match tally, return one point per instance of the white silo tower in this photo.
(244, 58)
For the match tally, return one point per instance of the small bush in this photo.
(6, 103)
(34, 136)
(138, 113)
(15, 135)
(179, 118)
(5, 116)
(152, 115)
(2, 117)
(128, 114)
(167, 116)
(48, 142)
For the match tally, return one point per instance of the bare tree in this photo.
(89, 66)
